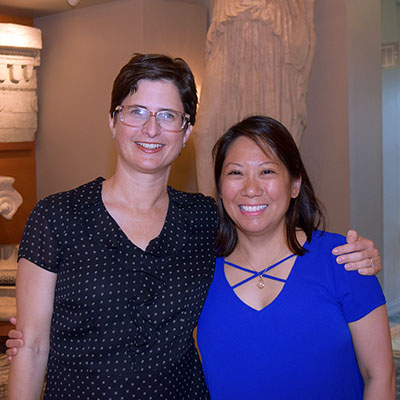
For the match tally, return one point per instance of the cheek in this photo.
(228, 191)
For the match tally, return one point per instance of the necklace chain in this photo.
(260, 283)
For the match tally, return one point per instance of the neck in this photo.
(138, 191)
(261, 251)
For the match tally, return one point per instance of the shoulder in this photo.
(191, 198)
(84, 194)
(194, 202)
(201, 210)
(325, 240)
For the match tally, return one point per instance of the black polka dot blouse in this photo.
(123, 317)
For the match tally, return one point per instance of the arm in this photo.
(372, 344)
(358, 254)
(35, 295)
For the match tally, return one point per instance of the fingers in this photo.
(14, 334)
(365, 266)
(13, 320)
(358, 254)
(352, 236)
(11, 353)
(14, 344)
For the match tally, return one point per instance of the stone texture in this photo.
(10, 199)
(19, 59)
(258, 61)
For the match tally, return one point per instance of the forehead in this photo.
(246, 148)
(160, 93)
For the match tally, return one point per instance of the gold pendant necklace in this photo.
(260, 283)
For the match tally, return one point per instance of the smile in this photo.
(253, 208)
(150, 146)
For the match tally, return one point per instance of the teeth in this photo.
(253, 208)
(149, 146)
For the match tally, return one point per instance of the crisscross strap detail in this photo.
(255, 274)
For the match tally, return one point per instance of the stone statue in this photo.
(10, 199)
(19, 58)
(258, 61)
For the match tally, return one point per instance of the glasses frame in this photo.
(185, 117)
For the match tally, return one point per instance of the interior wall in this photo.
(342, 145)
(365, 123)
(391, 161)
(325, 142)
(83, 50)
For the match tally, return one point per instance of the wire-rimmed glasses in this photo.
(168, 120)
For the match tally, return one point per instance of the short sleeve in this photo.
(358, 294)
(39, 244)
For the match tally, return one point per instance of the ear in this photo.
(187, 133)
(111, 125)
(296, 185)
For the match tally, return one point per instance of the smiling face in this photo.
(148, 149)
(255, 188)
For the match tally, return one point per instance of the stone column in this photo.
(19, 59)
(258, 61)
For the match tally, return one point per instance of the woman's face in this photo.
(149, 149)
(255, 188)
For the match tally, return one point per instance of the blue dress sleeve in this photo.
(358, 294)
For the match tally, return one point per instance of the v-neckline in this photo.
(276, 299)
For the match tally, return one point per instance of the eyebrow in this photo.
(146, 108)
(242, 165)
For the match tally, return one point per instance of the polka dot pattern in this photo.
(123, 317)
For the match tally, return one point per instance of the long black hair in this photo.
(305, 211)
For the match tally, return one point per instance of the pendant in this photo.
(260, 283)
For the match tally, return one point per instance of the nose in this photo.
(252, 187)
(151, 127)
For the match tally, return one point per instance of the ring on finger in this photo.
(371, 263)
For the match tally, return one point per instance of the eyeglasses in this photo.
(168, 120)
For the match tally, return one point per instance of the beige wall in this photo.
(83, 51)
(391, 161)
(342, 144)
(325, 143)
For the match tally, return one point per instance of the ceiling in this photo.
(40, 8)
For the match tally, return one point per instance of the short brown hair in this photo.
(156, 67)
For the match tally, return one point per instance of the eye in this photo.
(234, 172)
(167, 116)
(267, 172)
(137, 111)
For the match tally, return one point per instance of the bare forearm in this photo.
(383, 388)
(27, 373)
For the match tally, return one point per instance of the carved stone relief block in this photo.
(19, 59)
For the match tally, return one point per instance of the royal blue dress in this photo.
(299, 346)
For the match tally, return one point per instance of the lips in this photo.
(253, 208)
(149, 146)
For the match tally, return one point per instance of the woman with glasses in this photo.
(112, 275)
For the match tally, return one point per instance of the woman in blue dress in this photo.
(282, 320)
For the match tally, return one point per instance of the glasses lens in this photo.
(134, 116)
(170, 120)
